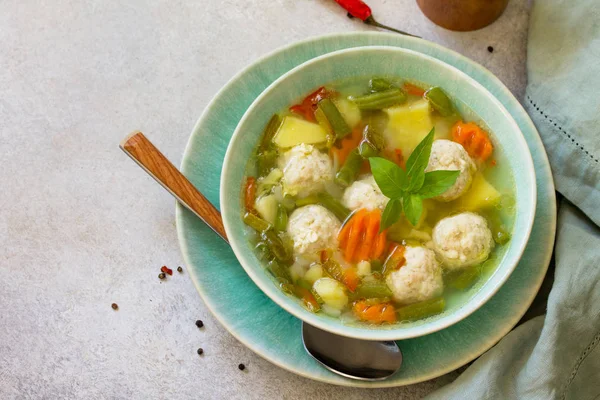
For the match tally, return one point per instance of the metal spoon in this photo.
(352, 358)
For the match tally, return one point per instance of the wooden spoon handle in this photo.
(142, 151)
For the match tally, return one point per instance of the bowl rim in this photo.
(306, 316)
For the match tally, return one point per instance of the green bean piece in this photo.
(376, 266)
(282, 218)
(372, 143)
(421, 310)
(439, 101)
(334, 270)
(279, 271)
(372, 290)
(333, 205)
(266, 161)
(316, 295)
(465, 278)
(338, 124)
(379, 100)
(269, 133)
(286, 288)
(303, 283)
(380, 84)
(501, 236)
(324, 122)
(348, 173)
(256, 223)
(305, 201)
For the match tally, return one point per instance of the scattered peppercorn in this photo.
(179, 269)
(242, 367)
(490, 49)
(162, 275)
(199, 324)
(114, 306)
(200, 351)
(167, 270)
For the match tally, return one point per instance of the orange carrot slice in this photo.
(350, 279)
(379, 245)
(474, 139)
(355, 235)
(376, 313)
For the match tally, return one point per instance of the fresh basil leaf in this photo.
(437, 182)
(390, 178)
(391, 214)
(413, 207)
(417, 162)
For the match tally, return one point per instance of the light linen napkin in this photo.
(557, 356)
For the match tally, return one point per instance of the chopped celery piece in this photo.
(379, 100)
(333, 205)
(380, 84)
(269, 132)
(281, 219)
(421, 310)
(465, 278)
(349, 171)
(439, 101)
(372, 289)
(266, 183)
(294, 131)
(262, 251)
(336, 121)
(267, 208)
(281, 250)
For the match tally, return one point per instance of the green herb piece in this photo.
(417, 162)
(391, 214)
(338, 124)
(413, 207)
(390, 178)
(439, 101)
(265, 161)
(407, 189)
(279, 271)
(437, 182)
(421, 310)
(370, 290)
(305, 201)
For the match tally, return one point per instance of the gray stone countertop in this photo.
(81, 226)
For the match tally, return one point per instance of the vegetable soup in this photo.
(374, 200)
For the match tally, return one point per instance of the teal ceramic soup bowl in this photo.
(469, 97)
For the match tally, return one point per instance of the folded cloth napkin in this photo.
(557, 356)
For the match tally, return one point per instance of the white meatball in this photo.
(364, 193)
(451, 156)
(462, 240)
(313, 228)
(419, 279)
(305, 170)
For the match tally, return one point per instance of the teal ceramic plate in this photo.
(265, 327)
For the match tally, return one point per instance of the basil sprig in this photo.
(407, 189)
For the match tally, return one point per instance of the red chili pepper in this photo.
(166, 270)
(362, 11)
(309, 104)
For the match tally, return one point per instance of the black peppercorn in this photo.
(490, 49)
(161, 275)
(200, 351)
(199, 324)
(114, 306)
(179, 269)
(242, 367)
